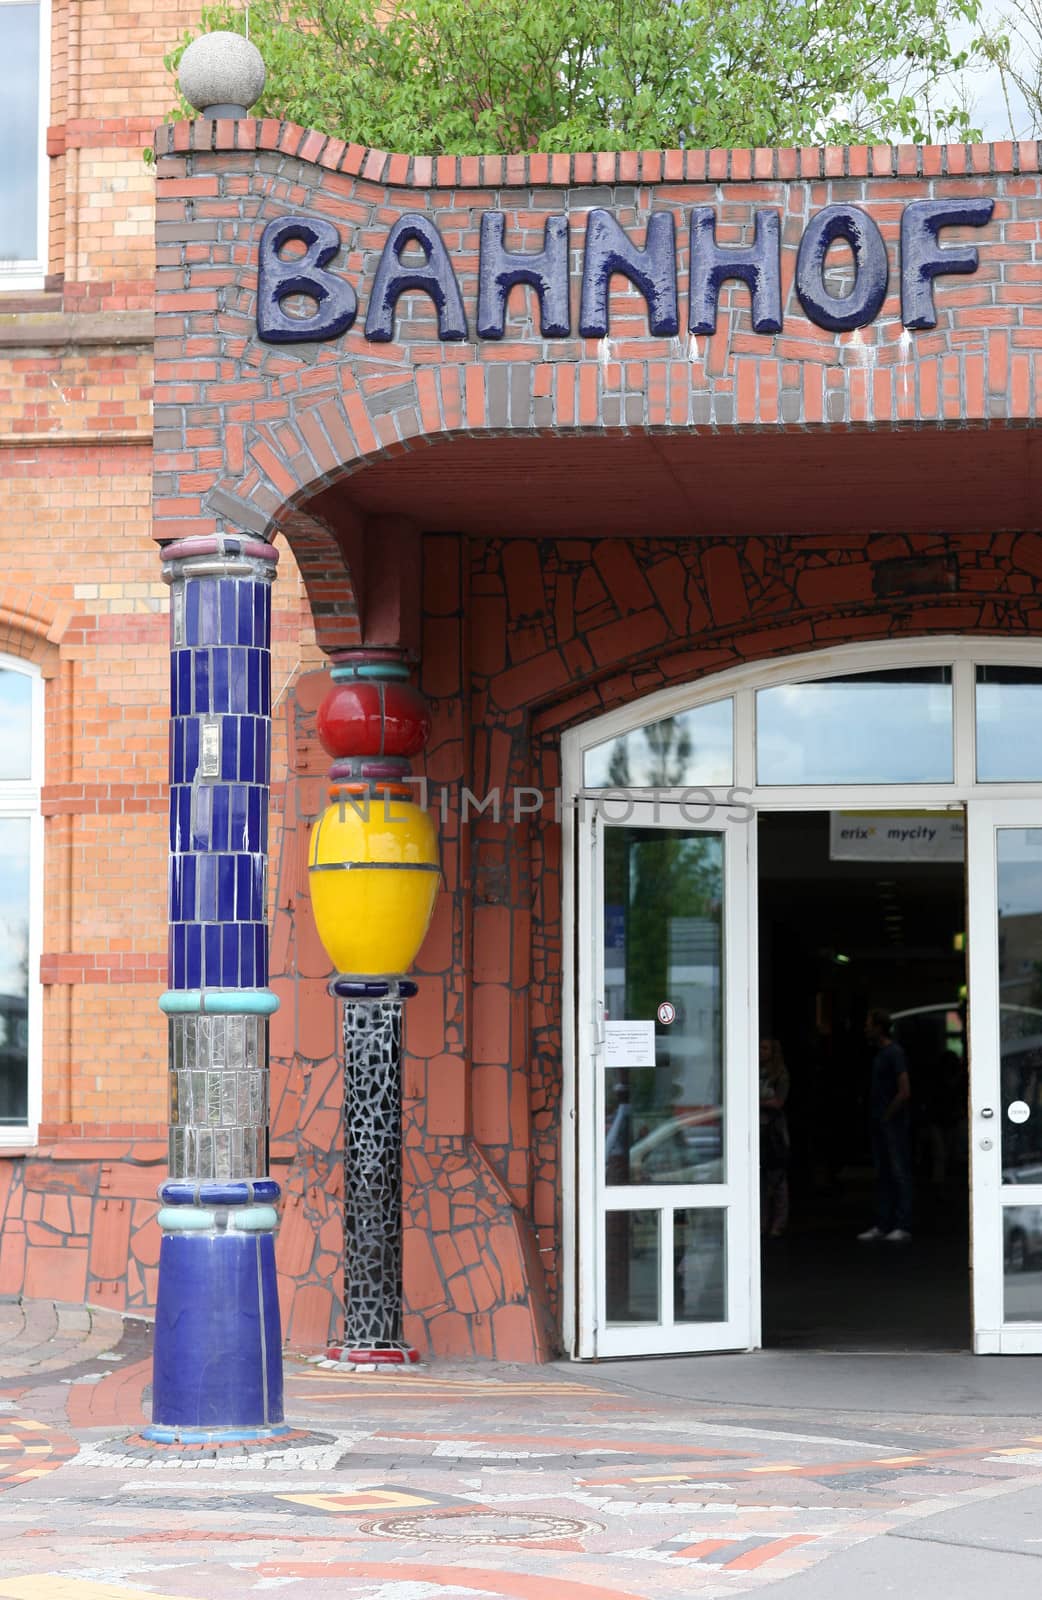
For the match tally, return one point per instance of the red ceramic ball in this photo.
(373, 719)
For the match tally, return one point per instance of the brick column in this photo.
(218, 1348)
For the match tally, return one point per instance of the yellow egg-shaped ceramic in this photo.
(373, 871)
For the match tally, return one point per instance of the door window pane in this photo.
(16, 690)
(631, 1241)
(1009, 724)
(872, 727)
(699, 1266)
(1022, 1263)
(694, 748)
(1020, 1002)
(663, 911)
(19, 132)
(14, 969)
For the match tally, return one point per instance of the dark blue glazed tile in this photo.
(237, 795)
(246, 962)
(247, 773)
(176, 966)
(193, 955)
(229, 749)
(226, 888)
(244, 911)
(253, 700)
(265, 678)
(255, 840)
(239, 692)
(212, 947)
(260, 941)
(177, 750)
(221, 676)
(198, 824)
(245, 602)
(259, 635)
(189, 875)
(191, 613)
(174, 887)
(219, 824)
(257, 896)
(209, 612)
(173, 683)
(206, 894)
(230, 956)
(191, 757)
(184, 683)
(202, 681)
(228, 611)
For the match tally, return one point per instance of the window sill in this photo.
(17, 1141)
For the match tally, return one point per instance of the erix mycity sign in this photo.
(609, 249)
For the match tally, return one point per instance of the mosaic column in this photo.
(374, 879)
(218, 1344)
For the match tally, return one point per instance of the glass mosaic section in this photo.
(218, 1097)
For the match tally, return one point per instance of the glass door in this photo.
(667, 1142)
(1005, 970)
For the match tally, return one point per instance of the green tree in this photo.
(472, 76)
(1014, 46)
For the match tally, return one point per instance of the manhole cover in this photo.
(480, 1527)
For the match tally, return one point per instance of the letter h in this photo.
(758, 265)
(546, 272)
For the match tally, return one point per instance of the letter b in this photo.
(337, 303)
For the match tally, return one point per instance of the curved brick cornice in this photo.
(31, 625)
(624, 166)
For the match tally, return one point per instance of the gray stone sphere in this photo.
(221, 70)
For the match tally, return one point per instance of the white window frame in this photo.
(22, 799)
(961, 653)
(31, 273)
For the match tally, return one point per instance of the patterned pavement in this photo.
(513, 1484)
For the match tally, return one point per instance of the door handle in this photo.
(986, 1111)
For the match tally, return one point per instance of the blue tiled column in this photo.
(218, 1350)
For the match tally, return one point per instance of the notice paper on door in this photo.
(629, 1044)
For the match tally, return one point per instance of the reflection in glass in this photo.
(1022, 1261)
(663, 910)
(19, 131)
(1019, 883)
(872, 727)
(16, 690)
(632, 1266)
(699, 1266)
(693, 748)
(14, 969)
(1009, 724)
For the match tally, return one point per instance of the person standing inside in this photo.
(774, 1140)
(890, 1109)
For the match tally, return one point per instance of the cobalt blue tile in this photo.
(244, 911)
(230, 956)
(238, 816)
(228, 611)
(265, 681)
(174, 887)
(253, 700)
(254, 840)
(198, 824)
(206, 896)
(189, 873)
(257, 896)
(202, 681)
(246, 962)
(226, 888)
(177, 747)
(209, 613)
(229, 748)
(238, 683)
(221, 674)
(184, 683)
(258, 612)
(260, 940)
(219, 825)
(193, 955)
(173, 683)
(212, 947)
(266, 612)
(192, 613)
(245, 599)
(191, 757)
(177, 939)
(264, 749)
(246, 756)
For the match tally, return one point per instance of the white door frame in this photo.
(741, 684)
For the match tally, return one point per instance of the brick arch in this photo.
(32, 624)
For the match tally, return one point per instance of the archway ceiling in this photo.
(955, 480)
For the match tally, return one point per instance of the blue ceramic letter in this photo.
(653, 270)
(758, 265)
(923, 260)
(434, 276)
(545, 272)
(337, 303)
(840, 313)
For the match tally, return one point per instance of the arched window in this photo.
(21, 772)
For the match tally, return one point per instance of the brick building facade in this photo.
(554, 527)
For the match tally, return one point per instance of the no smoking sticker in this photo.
(667, 1012)
(1019, 1111)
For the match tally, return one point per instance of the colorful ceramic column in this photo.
(374, 879)
(218, 1348)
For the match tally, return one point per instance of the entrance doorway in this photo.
(670, 966)
(856, 913)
